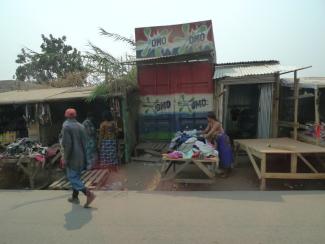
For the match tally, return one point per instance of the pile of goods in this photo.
(189, 144)
(29, 148)
(313, 131)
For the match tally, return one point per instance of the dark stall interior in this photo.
(50, 132)
(242, 111)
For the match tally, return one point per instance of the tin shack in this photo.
(175, 66)
(41, 112)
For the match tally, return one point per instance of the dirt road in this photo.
(164, 217)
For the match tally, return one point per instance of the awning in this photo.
(43, 95)
(306, 82)
(73, 93)
(243, 69)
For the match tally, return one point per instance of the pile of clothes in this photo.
(315, 131)
(189, 144)
(28, 147)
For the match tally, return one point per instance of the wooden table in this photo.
(184, 163)
(30, 167)
(260, 148)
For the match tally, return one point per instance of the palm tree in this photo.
(119, 74)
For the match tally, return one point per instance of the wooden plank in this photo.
(307, 163)
(55, 183)
(282, 147)
(195, 181)
(293, 163)
(94, 177)
(92, 173)
(143, 146)
(310, 176)
(255, 166)
(317, 121)
(143, 159)
(101, 176)
(168, 166)
(163, 166)
(204, 169)
(288, 124)
(261, 145)
(152, 152)
(67, 185)
(85, 174)
(154, 146)
(263, 172)
(180, 169)
(296, 104)
(300, 97)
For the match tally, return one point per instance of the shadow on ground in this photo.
(77, 217)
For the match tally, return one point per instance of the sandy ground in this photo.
(145, 176)
(222, 217)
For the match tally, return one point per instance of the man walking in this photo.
(74, 150)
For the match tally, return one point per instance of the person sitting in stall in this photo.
(214, 133)
(107, 141)
(91, 148)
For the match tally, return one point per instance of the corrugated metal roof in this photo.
(72, 94)
(43, 95)
(242, 69)
(306, 82)
(10, 85)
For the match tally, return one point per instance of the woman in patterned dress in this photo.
(107, 140)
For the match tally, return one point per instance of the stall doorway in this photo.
(248, 110)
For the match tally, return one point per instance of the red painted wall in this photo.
(163, 79)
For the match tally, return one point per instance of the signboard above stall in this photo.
(174, 40)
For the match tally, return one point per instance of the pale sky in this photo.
(291, 31)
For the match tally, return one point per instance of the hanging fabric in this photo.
(265, 111)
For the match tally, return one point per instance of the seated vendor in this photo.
(214, 133)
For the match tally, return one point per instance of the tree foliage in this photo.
(56, 61)
(77, 78)
(119, 75)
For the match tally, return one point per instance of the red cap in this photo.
(70, 113)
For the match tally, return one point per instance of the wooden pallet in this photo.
(93, 179)
(153, 146)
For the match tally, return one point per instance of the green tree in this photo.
(56, 61)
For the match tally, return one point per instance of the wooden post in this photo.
(275, 112)
(296, 102)
(263, 172)
(317, 121)
(293, 163)
(127, 133)
(220, 103)
(216, 98)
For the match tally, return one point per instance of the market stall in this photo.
(42, 110)
(310, 116)
(189, 148)
(261, 151)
